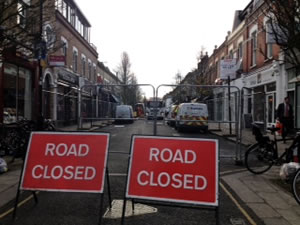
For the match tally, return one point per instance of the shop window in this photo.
(17, 93)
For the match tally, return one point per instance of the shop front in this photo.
(17, 92)
(261, 99)
(67, 97)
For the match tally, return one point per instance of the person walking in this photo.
(285, 117)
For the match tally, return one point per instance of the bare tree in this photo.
(27, 27)
(283, 28)
(131, 93)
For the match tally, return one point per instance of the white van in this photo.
(124, 113)
(192, 115)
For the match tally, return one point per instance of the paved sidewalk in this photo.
(271, 203)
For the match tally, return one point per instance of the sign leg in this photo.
(217, 215)
(35, 197)
(16, 205)
(108, 188)
(123, 212)
(101, 210)
(132, 204)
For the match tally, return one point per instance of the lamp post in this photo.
(41, 54)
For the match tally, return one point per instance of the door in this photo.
(270, 109)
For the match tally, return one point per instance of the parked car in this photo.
(192, 115)
(124, 114)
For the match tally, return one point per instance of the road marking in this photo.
(232, 171)
(119, 126)
(117, 174)
(176, 134)
(117, 208)
(237, 221)
(19, 205)
(243, 211)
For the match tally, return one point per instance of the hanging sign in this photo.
(183, 170)
(227, 69)
(70, 162)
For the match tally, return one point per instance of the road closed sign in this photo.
(183, 170)
(70, 162)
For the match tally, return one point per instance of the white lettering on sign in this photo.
(63, 149)
(176, 180)
(67, 173)
(166, 155)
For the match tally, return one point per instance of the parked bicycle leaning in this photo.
(261, 156)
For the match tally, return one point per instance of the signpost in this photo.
(228, 71)
(65, 162)
(175, 170)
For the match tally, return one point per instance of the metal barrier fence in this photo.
(224, 111)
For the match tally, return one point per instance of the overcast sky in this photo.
(162, 37)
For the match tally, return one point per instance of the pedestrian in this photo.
(285, 117)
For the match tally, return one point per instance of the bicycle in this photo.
(261, 156)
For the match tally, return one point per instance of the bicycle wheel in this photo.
(296, 186)
(259, 158)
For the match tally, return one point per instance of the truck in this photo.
(155, 105)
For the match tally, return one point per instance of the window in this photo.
(253, 48)
(64, 9)
(230, 56)
(269, 46)
(73, 17)
(58, 5)
(75, 59)
(22, 11)
(95, 72)
(240, 50)
(83, 62)
(90, 69)
(64, 47)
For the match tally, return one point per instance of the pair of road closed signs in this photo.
(171, 169)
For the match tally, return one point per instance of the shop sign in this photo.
(68, 76)
(54, 60)
(70, 162)
(182, 170)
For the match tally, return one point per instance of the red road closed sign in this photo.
(183, 170)
(70, 162)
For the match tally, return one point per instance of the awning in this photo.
(295, 80)
(114, 98)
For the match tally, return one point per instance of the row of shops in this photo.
(20, 86)
(265, 88)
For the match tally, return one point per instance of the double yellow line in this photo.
(233, 199)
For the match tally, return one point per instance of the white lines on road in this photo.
(176, 134)
(117, 174)
(119, 126)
